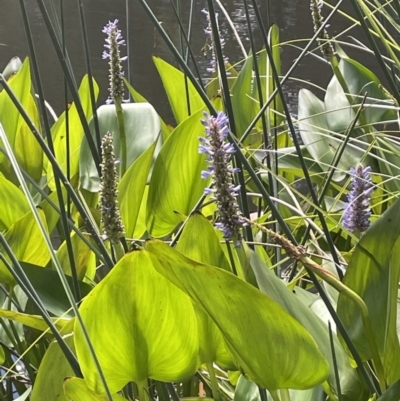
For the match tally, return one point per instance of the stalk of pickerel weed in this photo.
(113, 228)
(116, 84)
(223, 190)
(357, 210)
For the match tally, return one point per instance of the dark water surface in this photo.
(292, 17)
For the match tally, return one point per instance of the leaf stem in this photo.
(214, 382)
(143, 390)
(285, 395)
(274, 395)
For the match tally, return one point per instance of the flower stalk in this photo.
(116, 84)
(223, 189)
(113, 228)
(357, 209)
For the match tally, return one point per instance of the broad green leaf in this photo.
(176, 184)
(142, 128)
(205, 247)
(85, 259)
(318, 138)
(360, 80)
(77, 390)
(250, 323)
(53, 370)
(34, 321)
(13, 203)
(74, 136)
(174, 82)
(131, 189)
(245, 106)
(138, 98)
(267, 80)
(146, 321)
(27, 243)
(373, 273)
(272, 286)
(50, 291)
(140, 226)
(26, 149)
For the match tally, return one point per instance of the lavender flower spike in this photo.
(224, 191)
(113, 41)
(323, 40)
(357, 209)
(113, 228)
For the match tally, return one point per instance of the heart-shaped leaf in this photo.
(249, 321)
(140, 326)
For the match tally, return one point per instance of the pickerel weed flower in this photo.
(357, 209)
(210, 43)
(113, 41)
(224, 191)
(324, 39)
(113, 229)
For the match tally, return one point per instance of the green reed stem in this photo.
(122, 135)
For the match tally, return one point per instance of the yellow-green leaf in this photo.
(140, 326)
(250, 322)
(77, 390)
(176, 184)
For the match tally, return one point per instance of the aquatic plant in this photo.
(224, 191)
(113, 229)
(113, 42)
(133, 318)
(357, 210)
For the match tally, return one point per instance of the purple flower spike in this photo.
(357, 209)
(113, 41)
(220, 169)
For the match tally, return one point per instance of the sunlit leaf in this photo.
(85, 259)
(204, 248)
(272, 286)
(131, 189)
(176, 185)
(250, 323)
(53, 370)
(26, 149)
(142, 128)
(34, 321)
(165, 129)
(373, 273)
(77, 390)
(73, 138)
(175, 82)
(27, 243)
(13, 203)
(146, 321)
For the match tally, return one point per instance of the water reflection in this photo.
(292, 17)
